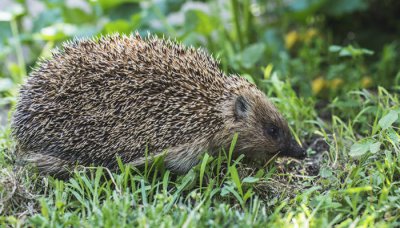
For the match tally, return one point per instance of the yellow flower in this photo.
(366, 82)
(336, 83)
(310, 34)
(290, 39)
(318, 84)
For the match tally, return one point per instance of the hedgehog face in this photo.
(263, 132)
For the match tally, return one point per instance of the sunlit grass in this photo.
(357, 182)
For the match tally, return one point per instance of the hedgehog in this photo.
(134, 98)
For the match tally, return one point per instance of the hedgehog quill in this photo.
(118, 96)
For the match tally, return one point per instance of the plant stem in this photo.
(247, 21)
(18, 50)
(235, 13)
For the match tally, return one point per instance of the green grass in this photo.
(341, 101)
(357, 183)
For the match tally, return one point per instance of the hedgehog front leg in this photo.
(179, 159)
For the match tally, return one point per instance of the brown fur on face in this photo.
(262, 130)
(117, 96)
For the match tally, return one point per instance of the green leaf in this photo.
(106, 4)
(77, 16)
(325, 172)
(230, 189)
(235, 178)
(260, 173)
(166, 181)
(251, 55)
(387, 121)
(44, 208)
(335, 48)
(359, 189)
(47, 18)
(359, 149)
(58, 31)
(123, 11)
(6, 84)
(393, 136)
(250, 180)
(349, 51)
(268, 71)
(340, 7)
(248, 194)
(11, 13)
(225, 190)
(203, 168)
(375, 147)
(345, 52)
(120, 26)
(199, 21)
(232, 147)
(186, 180)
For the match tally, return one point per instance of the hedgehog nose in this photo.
(299, 152)
(294, 150)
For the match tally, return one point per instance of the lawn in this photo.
(329, 68)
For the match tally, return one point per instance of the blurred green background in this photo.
(324, 48)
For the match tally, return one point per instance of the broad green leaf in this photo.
(47, 18)
(252, 54)
(387, 121)
(335, 48)
(199, 21)
(250, 180)
(374, 147)
(345, 52)
(6, 84)
(359, 148)
(393, 136)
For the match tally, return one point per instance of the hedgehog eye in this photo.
(272, 131)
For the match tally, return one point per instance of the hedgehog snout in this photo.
(293, 149)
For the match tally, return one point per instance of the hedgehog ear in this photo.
(241, 107)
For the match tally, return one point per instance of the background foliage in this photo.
(332, 67)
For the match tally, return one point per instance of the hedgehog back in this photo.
(118, 96)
